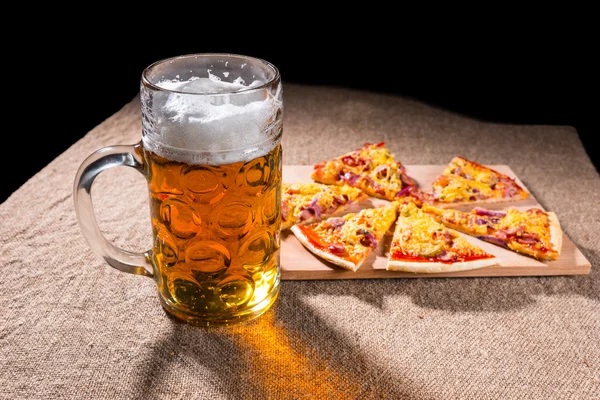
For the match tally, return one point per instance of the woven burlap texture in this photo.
(72, 327)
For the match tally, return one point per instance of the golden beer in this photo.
(210, 151)
(216, 235)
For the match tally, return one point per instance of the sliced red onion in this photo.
(381, 171)
(338, 200)
(409, 191)
(316, 208)
(493, 240)
(368, 240)
(305, 214)
(481, 221)
(448, 238)
(404, 192)
(372, 182)
(491, 213)
(336, 222)
(337, 248)
(446, 256)
(317, 211)
(314, 202)
(350, 178)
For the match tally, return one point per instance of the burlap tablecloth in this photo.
(72, 327)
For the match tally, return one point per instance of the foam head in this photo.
(215, 114)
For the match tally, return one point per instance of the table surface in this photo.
(73, 327)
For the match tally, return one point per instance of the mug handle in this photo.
(97, 162)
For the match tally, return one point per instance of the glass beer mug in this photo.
(210, 151)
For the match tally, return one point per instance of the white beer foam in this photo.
(212, 84)
(234, 124)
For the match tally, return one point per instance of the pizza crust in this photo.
(340, 262)
(556, 234)
(493, 200)
(433, 267)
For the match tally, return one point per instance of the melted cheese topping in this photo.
(464, 180)
(533, 221)
(371, 168)
(527, 231)
(306, 202)
(452, 188)
(350, 233)
(417, 235)
(472, 171)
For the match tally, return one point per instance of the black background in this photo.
(76, 72)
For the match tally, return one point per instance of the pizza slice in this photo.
(420, 244)
(347, 241)
(466, 182)
(310, 202)
(371, 168)
(532, 232)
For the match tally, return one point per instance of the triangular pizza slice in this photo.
(372, 168)
(532, 232)
(347, 241)
(420, 244)
(467, 182)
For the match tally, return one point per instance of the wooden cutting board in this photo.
(297, 263)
